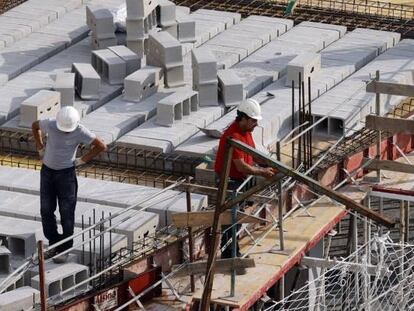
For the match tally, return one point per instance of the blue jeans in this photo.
(58, 186)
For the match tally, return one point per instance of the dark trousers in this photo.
(58, 187)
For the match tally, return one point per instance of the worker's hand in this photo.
(79, 162)
(41, 152)
(267, 172)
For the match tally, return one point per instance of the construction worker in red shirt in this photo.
(242, 163)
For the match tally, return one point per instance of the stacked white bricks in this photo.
(65, 85)
(101, 23)
(109, 66)
(87, 81)
(133, 62)
(22, 245)
(62, 278)
(166, 15)
(204, 66)
(44, 104)
(230, 87)
(165, 51)
(5, 255)
(22, 298)
(141, 18)
(176, 106)
(186, 32)
(306, 65)
(142, 83)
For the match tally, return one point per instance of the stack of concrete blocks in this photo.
(186, 30)
(230, 88)
(165, 51)
(23, 298)
(166, 14)
(65, 85)
(63, 277)
(305, 66)
(142, 83)
(87, 81)
(44, 104)
(22, 245)
(176, 106)
(205, 81)
(101, 23)
(141, 18)
(109, 66)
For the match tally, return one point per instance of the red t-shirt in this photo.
(234, 132)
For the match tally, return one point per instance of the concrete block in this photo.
(165, 48)
(207, 94)
(137, 9)
(62, 277)
(166, 13)
(65, 85)
(138, 227)
(340, 29)
(235, 16)
(133, 62)
(204, 66)
(98, 44)
(307, 65)
(110, 66)
(175, 106)
(230, 87)
(87, 81)
(19, 299)
(44, 104)
(186, 30)
(101, 22)
(5, 255)
(135, 29)
(174, 76)
(137, 46)
(22, 245)
(142, 83)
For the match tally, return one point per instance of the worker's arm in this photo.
(247, 169)
(37, 135)
(97, 147)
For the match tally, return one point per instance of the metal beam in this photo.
(314, 185)
(387, 165)
(391, 125)
(390, 88)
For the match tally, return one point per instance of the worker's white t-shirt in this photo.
(61, 146)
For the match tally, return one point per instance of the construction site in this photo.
(158, 224)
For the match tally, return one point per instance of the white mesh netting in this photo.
(377, 277)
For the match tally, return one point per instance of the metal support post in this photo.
(293, 123)
(190, 235)
(43, 298)
(378, 113)
(402, 221)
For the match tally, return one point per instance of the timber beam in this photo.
(387, 165)
(222, 266)
(390, 88)
(392, 125)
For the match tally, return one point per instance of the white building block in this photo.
(62, 277)
(204, 66)
(101, 22)
(22, 245)
(207, 94)
(65, 85)
(142, 83)
(98, 44)
(307, 65)
(21, 298)
(163, 47)
(5, 255)
(137, 9)
(44, 104)
(137, 46)
(133, 62)
(138, 227)
(186, 30)
(109, 66)
(136, 29)
(87, 80)
(174, 76)
(230, 87)
(166, 15)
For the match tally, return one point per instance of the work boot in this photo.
(59, 259)
(49, 254)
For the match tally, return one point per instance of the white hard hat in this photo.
(252, 108)
(67, 119)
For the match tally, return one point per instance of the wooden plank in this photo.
(314, 185)
(387, 165)
(205, 218)
(222, 266)
(391, 125)
(390, 88)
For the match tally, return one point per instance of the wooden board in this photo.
(388, 165)
(390, 88)
(222, 266)
(389, 124)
